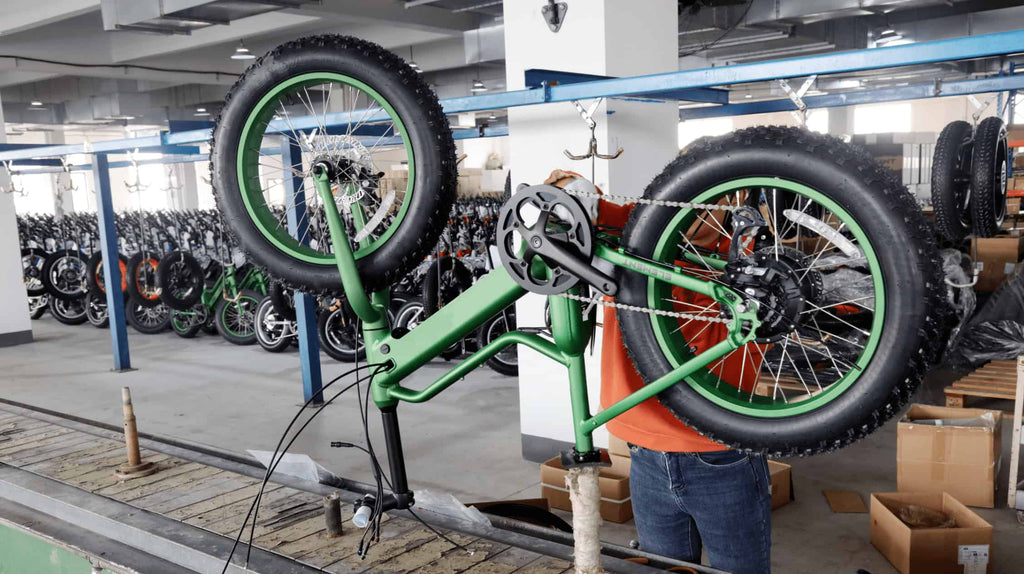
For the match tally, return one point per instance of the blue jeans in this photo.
(720, 499)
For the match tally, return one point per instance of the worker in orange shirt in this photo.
(688, 492)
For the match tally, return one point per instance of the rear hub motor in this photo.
(781, 284)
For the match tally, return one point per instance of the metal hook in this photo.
(137, 185)
(12, 188)
(70, 185)
(587, 115)
(798, 97)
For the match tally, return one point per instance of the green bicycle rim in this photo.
(704, 381)
(224, 320)
(248, 169)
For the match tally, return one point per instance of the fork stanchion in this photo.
(135, 467)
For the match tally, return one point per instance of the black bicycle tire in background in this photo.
(487, 333)
(52, 289)
(345, 353)
(100, 319)
(427, 128)
(281, 343)
(951, 181)
(988, 177)
(181, 280)
(451, 270)
(282, 300)
(68, 311)
(133, 309)
(908, 257)
(41, 254)
(132, 276)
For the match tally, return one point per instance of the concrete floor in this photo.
(466, 441)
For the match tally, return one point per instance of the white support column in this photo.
(604, 37)
(64, 200)
(189, 192)
(15, 325)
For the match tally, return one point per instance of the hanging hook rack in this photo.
(137, 185)
(800, 113)
(69, 183)
(588, 117)
(18, 188)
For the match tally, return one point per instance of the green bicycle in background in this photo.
(221, 296)
(776, 289)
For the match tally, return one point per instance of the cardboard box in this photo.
(1015, 132)
(617, 446)
(891, 162)
(615, 500)
(780, 482)
(962, 461)
(1013, 203)
(998, 256)
(928, 550)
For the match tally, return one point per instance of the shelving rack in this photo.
(701, 85)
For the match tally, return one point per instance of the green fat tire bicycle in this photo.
(790, 259)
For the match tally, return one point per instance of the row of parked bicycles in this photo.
(181, 273)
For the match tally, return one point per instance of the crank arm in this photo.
(545, 247)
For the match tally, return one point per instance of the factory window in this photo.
(885, 118)
(690, 130)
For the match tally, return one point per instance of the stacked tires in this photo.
(969, 169)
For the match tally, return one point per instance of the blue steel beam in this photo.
(994, 84)
(305, 305)
(843, 62)
(537, 78)
(111, 268)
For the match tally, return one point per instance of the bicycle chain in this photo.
(659, 203)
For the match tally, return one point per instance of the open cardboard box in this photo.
(616, 505)
(929, 550)
(963, 461)
(781, 483)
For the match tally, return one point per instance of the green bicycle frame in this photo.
(489, 296)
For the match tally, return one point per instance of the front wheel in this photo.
(148, 320)
(338, 327)
(273, 332)
(845, 281)
(506, 361)
(68, 311)
(236, 319)
(187, 324)
(96, 310)
(393, 163)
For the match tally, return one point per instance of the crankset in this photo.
(544, 224)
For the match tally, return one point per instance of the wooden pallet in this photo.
(995, 380)
(291, 522)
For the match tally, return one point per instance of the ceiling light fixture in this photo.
(37, 103)
(201, 112)
(478, 87)
(492, 116)
(888, 36)
(242, 53)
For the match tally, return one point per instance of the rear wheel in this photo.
(236, 320)
(148, 320)
(339, 335)
(506, 361)
(32, 261)
(96, 310)
(845, 304)
(37, 305)
(395, 123)
(68, 311)
(273, 332)
(187, 324)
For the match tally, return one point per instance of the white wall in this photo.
(607, 37)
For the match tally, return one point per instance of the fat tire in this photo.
(225, 332)
(59, 308)
(908, 258)
(336, 352)
(433, 299)
(131, 310)
(98, 322)
(282, 300)
(272, 347)
(483, 338)
(134, 263)
(988, 177)
(428, 131)
(52, 260)
(168, 273)
(41, 253)
(950, 163)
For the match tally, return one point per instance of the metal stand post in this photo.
(111, 268)
(305, 305)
